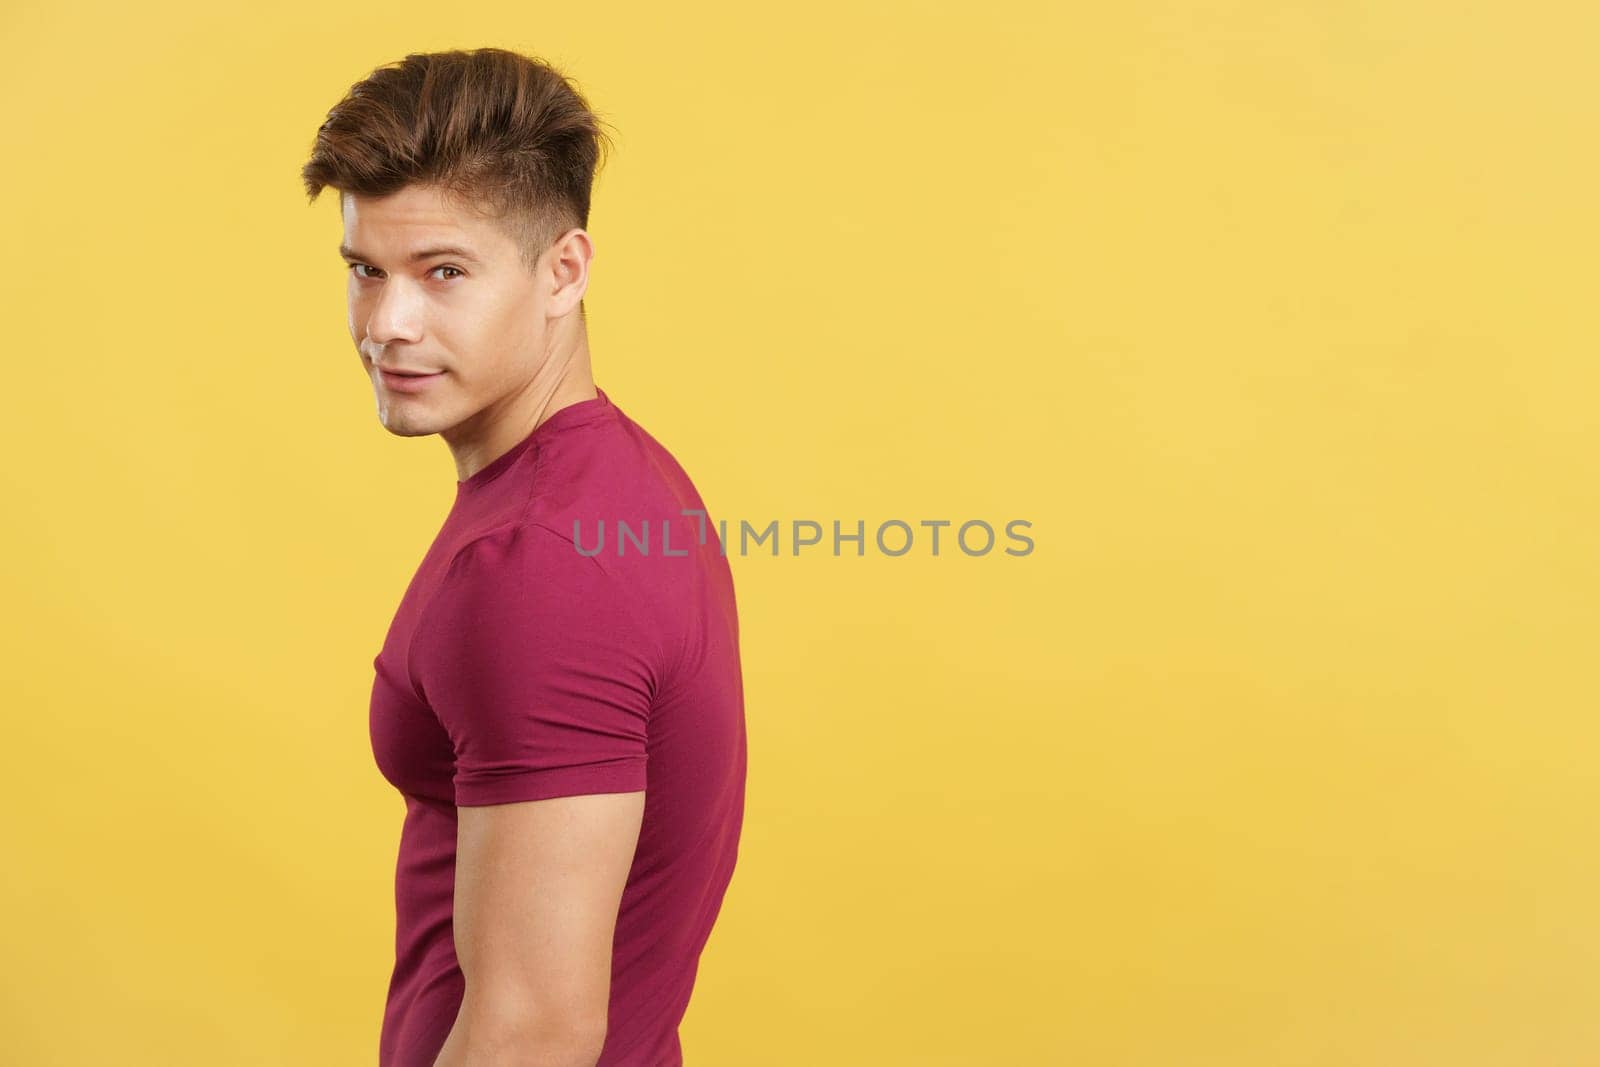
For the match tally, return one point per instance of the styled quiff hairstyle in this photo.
(508, 136)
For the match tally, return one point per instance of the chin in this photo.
(403, 423)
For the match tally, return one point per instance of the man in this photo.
(566, 725)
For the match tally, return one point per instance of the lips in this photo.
(407, 381)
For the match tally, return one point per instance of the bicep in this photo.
(537, 888)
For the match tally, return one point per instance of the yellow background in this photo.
(1275, 320)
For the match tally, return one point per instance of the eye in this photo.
(359, 267)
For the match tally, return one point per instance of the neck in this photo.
(564, 379)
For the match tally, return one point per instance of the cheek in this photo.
(520, 329)
(356, 314)
(497, 340)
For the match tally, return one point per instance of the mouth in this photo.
(408, 381)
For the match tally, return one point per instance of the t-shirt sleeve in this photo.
(536, 664)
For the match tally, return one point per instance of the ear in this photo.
(569, 258)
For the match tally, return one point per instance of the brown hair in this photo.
(508, 135)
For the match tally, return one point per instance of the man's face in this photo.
(470, 321)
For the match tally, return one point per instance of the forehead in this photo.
(415, 215)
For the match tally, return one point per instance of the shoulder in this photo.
(529, 563)
(611, 468)
(526, 545)
(528, 578)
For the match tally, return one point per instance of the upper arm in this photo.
(537, 666)
(538, 885)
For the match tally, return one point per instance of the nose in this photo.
(395, 315)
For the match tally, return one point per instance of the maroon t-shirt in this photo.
(537, 653)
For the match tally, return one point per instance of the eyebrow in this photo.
(346, 252)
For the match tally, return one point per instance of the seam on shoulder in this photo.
(592, 557)
(533, 481)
